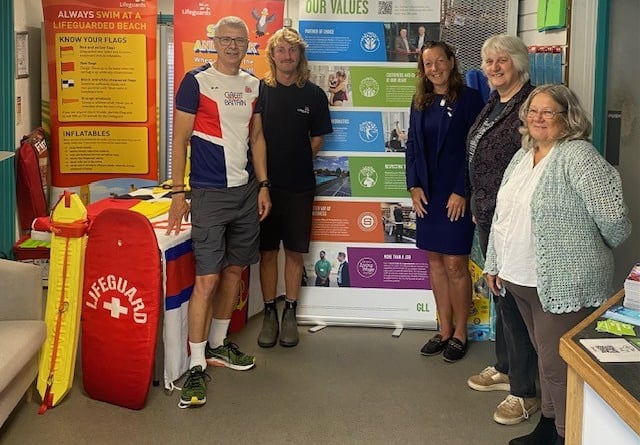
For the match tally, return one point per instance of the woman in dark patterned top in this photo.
(491, 143)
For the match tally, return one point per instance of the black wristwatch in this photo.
(266, 183)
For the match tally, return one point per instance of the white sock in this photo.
(218, 332)
(197, 355)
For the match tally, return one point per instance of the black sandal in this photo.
(435, 345)
(454, 351)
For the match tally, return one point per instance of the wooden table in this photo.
(618, 384)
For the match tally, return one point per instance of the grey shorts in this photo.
(225, 227)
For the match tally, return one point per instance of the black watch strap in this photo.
(266, 183)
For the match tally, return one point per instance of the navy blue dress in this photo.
(436, 162)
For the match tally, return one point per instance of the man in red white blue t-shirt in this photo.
(217, 113)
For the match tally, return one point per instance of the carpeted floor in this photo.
(338, 386)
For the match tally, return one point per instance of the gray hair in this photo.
(573, 118)
(232, 22)
(511, 45)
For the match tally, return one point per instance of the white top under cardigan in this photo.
(513, 237)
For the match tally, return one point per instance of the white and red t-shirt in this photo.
(223, 106)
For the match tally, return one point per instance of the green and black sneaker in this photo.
(194, 390)
(229, 355)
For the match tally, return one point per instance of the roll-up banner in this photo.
(364, 55)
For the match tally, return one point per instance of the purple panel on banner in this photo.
(385, 268)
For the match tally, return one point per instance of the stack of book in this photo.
(632, 289)
(629, 310)
(623, 314)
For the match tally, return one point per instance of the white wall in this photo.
(527, 27)
(165, 7)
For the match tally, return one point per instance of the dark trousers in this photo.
(545, 330)
(515, 354)
(399, 232)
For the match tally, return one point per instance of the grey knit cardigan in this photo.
(578, 216)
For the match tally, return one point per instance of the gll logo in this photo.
(368, 131)
(369, 87)
(367, 176)
(369, 42)
(367, 222)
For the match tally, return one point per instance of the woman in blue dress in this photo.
(442, 111)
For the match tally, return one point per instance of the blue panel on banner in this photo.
(355, 131)
(339, 41)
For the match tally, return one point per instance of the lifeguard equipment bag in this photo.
(121, 303)
(32, 184)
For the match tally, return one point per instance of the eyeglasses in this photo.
(226, 40)
(546, 114)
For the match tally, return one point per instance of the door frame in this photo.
(7, 77)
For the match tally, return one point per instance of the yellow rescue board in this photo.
(64, 299)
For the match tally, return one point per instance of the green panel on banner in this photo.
(382, 86)
(378, 177)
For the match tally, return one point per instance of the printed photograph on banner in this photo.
(334, 80)
(404, 40)
(118, 187)
(327, 265)
(399, 223)
(332, 176)
(396, 131)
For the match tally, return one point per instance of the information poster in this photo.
(194, 23)
(101, 60)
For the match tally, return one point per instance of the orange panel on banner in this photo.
(101, 64)
(343, 221)
(194, 21)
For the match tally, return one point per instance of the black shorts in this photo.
(289, 221)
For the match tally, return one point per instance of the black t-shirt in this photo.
(496, 110)
(290, 116)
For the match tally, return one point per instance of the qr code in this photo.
(385, 7)
(606, 349)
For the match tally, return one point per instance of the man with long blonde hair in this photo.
(295, 118)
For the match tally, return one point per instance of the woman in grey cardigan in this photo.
(559, 214)
(492, 141)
